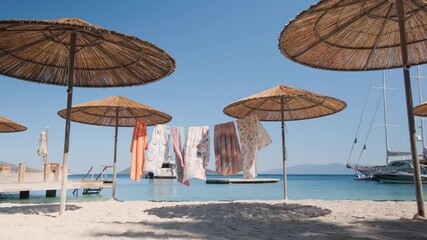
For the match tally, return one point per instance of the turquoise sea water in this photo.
(327, 187)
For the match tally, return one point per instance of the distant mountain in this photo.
(127, 171)
(210, 172)
(332, 168)
(14, 167)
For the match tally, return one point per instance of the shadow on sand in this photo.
(260, 221)
(36, 209)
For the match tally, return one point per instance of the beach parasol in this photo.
(72, 52)
(284, 103)
(43, 143)
(115, 111)
(421, 110)
(363, 35)
(7, 126)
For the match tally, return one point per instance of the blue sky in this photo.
(225, 50)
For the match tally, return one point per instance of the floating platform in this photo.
(240, 180)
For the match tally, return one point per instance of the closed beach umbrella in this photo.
(42, 151)
(7, 126)
(363, 35)
(115, 111)
(72, 52)
(284, 103)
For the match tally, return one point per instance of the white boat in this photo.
(393, 159)
(400, 172)
(167, 171)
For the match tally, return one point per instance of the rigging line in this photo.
(361, 118)
(369, 130)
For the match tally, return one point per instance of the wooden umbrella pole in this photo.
(115, 154)
(68, 122)
(409, 106)
(282, 117)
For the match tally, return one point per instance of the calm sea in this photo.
(327, 187)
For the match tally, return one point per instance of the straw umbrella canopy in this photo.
(363, 35)
(421, 110)
(7, 126)
(115, 111)
(72, 52)
(284, 103)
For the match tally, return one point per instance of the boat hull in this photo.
(398, 178)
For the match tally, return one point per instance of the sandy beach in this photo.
(302, 219)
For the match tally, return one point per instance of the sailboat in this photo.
(403, 171)
(391, 169)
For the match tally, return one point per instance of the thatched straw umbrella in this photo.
(72, 52)
(363, 35)
(8, 126)
(115, 111)
(421, 110)
(284, 103)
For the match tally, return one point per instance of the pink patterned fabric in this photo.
(178, 148)
(138, 146)
(228, 158)
(253, 137)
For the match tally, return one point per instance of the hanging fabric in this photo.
(42, 151)
(138, 146)
(158, 149)
(253, 137)
(178, 140)
(196, 156)
(228, 158)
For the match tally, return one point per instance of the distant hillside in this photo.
(332, 168)
(14, 167)
(127, 171)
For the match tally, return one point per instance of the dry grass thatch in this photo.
(355, 35)
(7, 125)
(421, 110)
(38, 51)
(104, 113)
(298, 104)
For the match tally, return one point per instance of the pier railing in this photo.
(49, 179)
(52, 172)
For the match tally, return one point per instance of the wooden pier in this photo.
(240, 180)
(49, 180)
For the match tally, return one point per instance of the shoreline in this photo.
(254, 219)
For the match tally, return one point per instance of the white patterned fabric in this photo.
(158, 149)
(196, 156)
(253, 137)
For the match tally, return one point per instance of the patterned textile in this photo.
(228, 158)
(253, 137)
(196, 156)
(158, 149)
(178, 148)
(138, 146)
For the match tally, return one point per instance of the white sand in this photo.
(307, 219)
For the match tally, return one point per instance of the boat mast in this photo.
(421, 101)
(385, 116)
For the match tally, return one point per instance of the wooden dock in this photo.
(49, 180)
(240, 180)
(53, 185)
